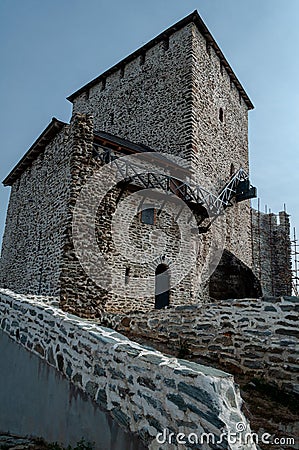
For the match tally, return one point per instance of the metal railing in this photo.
(238, 186)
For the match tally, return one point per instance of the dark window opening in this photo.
(162, 286)
(232, 169)
(111, 118)
(122, 72)
(87, 93)
(142, 59)
(103, 84)
(127, 275)
(208, 47)
(148, 216)
(166, 43)
(221, 115)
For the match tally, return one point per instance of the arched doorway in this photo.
(162, 287)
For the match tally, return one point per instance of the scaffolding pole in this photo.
(259, 239)
(295, 271)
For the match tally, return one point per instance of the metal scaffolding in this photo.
(295, 257)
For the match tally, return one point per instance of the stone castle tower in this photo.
(176, 94)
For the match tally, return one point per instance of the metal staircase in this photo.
(238, 187)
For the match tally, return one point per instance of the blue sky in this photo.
(51, 48)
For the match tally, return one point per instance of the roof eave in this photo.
(197, 20)
(45, 137)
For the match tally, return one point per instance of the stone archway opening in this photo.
(233, 279)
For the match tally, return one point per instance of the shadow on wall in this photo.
(233, 279)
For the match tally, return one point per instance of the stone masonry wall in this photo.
(170, 100)
(36, 221)
(220, 147)
(149, 101)
(271, 249)
(79, 293)
(144, 390)
(255, 337)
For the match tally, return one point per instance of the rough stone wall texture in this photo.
(76, 287)
(150, 100)
(169, 99)
(256, 337)
(220, 147)
(38, 252)
(79, 293)
(144, 390)
(271, 248)
(36, 400)
(36, 221)
(171, 102)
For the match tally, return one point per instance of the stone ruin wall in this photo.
(255, 337)
(271, 249)
(148, 393)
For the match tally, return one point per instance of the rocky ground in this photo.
(8, 442)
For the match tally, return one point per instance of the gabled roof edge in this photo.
(197, 20)
(45, 137)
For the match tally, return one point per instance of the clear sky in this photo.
(51, 48)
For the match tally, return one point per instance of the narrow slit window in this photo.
(127, 275)
(221, 115)
(142, 59)
(166, 43)
(232, 169)
(208, 47)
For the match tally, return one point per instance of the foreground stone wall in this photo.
(271, 249)
(255, 337)
(36, 400)
(144, 390)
